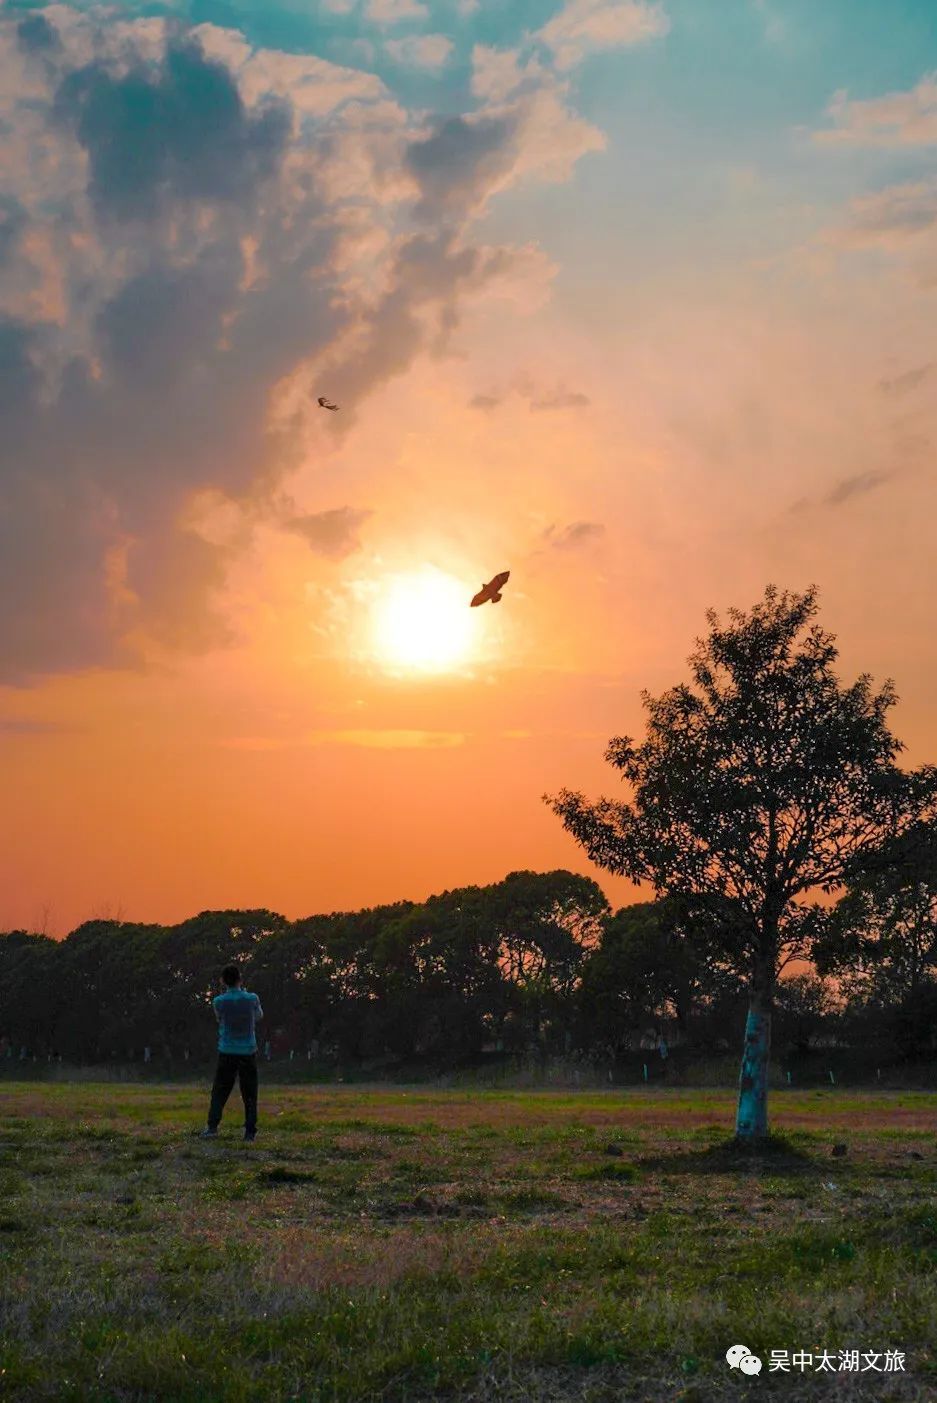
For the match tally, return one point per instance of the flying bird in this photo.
(326, 404)
(491, 593)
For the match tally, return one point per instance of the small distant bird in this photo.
(491, 593)
(325, 403)
(839, 1151)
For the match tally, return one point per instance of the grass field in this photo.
(414, 1245)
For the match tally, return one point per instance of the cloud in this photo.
(311, 86)
(388, 12)
(538, 397)
(578, 533)
(35, 34)
(193, 234)
(906, 118)
(332, 533)
(370, 740)
(460, 162)
(891, 216)
(775, 28)
(899, 221)
(904, 383)
(24, 726)
(848, 488)
(500, 73)
(525, 131)
(584, 26)
(561, 399)
(421, 50)
(182, 132)
(12, 223)
(856, 486)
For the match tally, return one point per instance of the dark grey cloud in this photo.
(20, 380)
(24, 726)
(12, 223)
(35, 34)
(856, 486)
(538, 398)
(332, 533)
(430, 272)
(848, 488)
(561, 399)
(167, 390)
(181, 132)
(456, 165)
(902, 384)
(577, 533)
(142, 329)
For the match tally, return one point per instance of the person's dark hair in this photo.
(231, 975)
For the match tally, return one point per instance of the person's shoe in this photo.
(209, 1132)
(250, 1135)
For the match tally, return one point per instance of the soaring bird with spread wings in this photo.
(491, 593)
(326, 404)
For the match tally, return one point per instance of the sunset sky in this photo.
(635, 300)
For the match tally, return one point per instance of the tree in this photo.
(804, 1009)
(544, 924)
(110, 977)
(292, 973)
(881, 937)
(759, 786)
(30, 994)
(647, 965)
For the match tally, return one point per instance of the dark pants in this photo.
(235, 1067)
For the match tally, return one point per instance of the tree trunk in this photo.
(751, 1121)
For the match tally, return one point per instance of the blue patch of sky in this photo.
(710, 158)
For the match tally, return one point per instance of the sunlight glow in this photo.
(422, 621)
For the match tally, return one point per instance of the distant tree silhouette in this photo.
(29, 993)
(881, 938)
(545, 925)
(758, 786)
(805, 1007)
(647, 966)
(109, 978)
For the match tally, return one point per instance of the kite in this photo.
(326, 404)
(491, 593)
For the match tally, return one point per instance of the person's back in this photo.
(237, 1012)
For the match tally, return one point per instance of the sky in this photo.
(635, 300)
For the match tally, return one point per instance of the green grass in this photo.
(413, 1245)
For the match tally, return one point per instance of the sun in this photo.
(422, 621)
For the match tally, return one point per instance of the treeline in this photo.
(535, 964)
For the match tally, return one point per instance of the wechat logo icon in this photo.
(741, 1357)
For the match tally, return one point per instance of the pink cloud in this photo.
(583, 26)
(907, 118)
(429, 51)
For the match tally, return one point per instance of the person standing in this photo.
(237, 1012)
